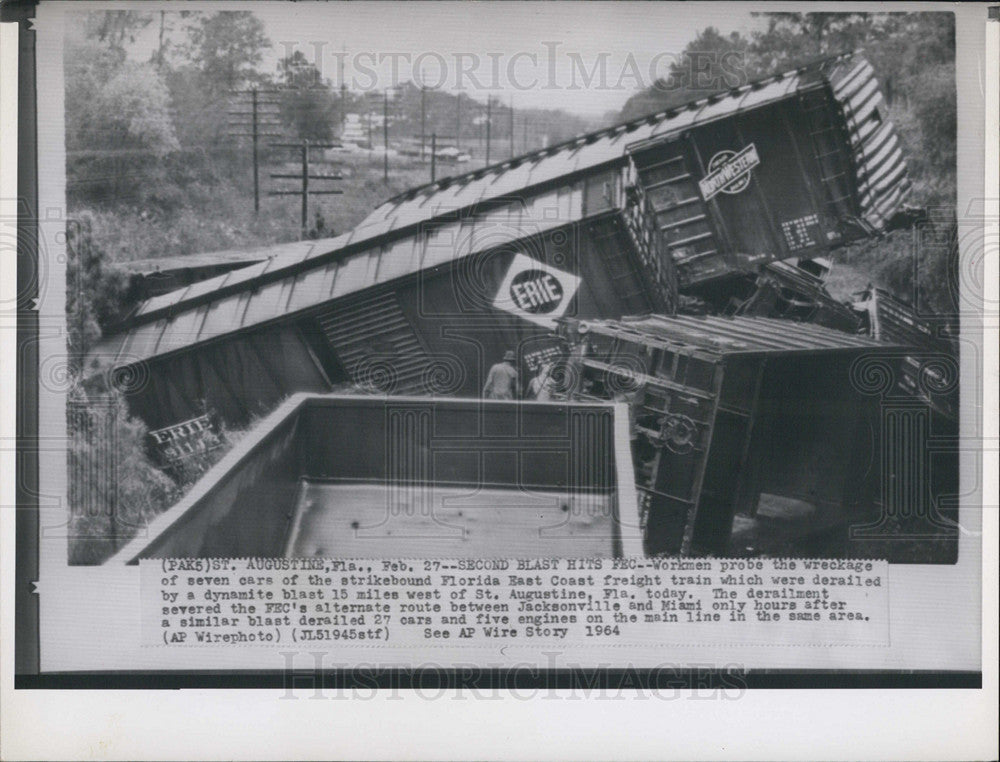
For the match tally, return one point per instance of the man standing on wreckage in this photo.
(501, 383)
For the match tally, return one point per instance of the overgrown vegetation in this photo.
(115, 486)
(154, 153)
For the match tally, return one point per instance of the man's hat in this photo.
(508, 356)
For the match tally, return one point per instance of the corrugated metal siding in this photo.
(376, 344)
(731, 336)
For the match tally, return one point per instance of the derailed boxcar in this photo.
(930, 372)
(424, 310)
(791, 292)
(369, 477)
(791, 166)
(726, 410)
(152, 277)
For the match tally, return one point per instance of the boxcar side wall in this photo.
(435, 332)
(762, 184)
(243, 376)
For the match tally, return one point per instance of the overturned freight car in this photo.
(930, 371)
(425, 308)
(792, 166)
(732, 414)
(152, 277)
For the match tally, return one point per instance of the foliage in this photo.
(118, 122)
(96, 291)
(710, 63)
(173, 221)
(116, 28)
(115, 487)
(227, 48)
(307, 104)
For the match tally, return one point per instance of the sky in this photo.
(586, 58)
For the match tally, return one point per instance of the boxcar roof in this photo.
(726, 336)
(178, 319)
(593, 150)
(230, 258)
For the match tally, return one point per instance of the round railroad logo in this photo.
(536, 291)
(739, 183)
(679, 432)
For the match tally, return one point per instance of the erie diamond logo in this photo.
(535, 291)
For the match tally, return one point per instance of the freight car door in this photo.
(667, 176)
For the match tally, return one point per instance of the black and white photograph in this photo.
(755, 252)
(511, 338)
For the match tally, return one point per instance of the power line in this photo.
(256, 123)
(305, 191)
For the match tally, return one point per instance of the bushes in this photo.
(96, 292)
(205, 203)
(115, 488)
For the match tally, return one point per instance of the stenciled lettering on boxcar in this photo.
(182, 440)
(729, 172)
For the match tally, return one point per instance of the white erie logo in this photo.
(185, 438)
(729, 172)
(535, 291)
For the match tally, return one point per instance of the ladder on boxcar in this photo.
(825, 143)
(681, 216)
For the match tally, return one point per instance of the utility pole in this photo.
(343, 108)
(259, 125)
(434, 142)
(434, 152)
(512, 125)
(305, 187)
(458, 121)
(256, 166)
(343, 92)
(305, 176)
(524, 134)
(385, 135)
(423, 119)
(159, 50)
(489, 106)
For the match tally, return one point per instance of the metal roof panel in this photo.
(352, 274)
(181, 331)
(734, 335)
(399, 258)
(308, 289)
(264, 304)
(222, 315)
